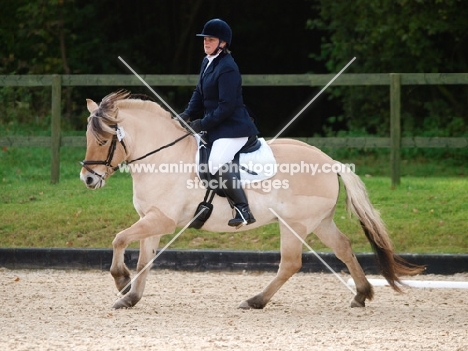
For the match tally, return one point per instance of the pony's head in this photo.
(105, 149)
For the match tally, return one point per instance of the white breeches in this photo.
(223, 151)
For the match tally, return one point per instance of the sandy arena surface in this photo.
(71, 310)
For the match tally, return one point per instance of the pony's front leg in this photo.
(148, 248)
(155, 223)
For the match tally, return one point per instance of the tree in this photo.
(418, 36)
(158, 37)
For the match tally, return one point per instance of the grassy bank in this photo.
(425, 214)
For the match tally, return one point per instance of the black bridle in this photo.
(110, 155)
(108, 161)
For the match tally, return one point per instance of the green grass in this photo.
(423, 215)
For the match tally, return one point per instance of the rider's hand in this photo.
(184, 116)
(196, 126)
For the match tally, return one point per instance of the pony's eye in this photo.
(102, 142)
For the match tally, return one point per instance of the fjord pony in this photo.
(122, 129)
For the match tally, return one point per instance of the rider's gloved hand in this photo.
(196, 126)
(184, 116)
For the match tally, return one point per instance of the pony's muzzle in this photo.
(92, 181)
(90, 177)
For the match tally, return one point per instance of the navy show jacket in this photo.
(218, 96)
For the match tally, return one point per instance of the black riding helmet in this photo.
(217, 28)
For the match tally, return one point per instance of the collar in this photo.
(210, 59)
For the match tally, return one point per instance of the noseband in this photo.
(110, 155)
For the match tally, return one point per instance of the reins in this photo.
(161, 148)
(113, 146)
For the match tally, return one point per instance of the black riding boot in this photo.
(236, 196)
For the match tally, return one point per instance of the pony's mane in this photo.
(101, 122)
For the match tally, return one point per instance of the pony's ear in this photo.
(92, 106)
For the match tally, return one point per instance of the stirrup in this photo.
(243, 217)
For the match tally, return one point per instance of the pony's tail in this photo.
(358, 203)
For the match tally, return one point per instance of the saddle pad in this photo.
(261, 164)
(254, 166)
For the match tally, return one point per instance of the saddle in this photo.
(204, 150)
(205, 207)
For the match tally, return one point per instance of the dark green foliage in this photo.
(398, 36)
(154, 37)
(83, 37)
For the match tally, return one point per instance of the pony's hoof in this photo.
(355, 303)
(127, 301)
(121, 304)
(255, 302)
(244, 306)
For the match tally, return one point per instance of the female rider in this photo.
(218, 97)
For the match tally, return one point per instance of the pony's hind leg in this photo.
(331, 236)
(291, 262)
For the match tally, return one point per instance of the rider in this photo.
(218, 96)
